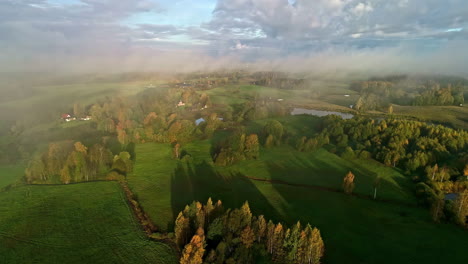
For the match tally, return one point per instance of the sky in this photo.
(184, 35)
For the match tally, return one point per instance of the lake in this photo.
(302, 111)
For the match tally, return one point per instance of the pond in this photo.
(302, 111)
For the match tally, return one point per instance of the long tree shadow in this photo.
(198, 182)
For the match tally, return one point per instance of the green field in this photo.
(355, 230)
(80, 223)
(10, 174)
(454, 116)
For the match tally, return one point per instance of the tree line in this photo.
(207, 233)
(69, 162)
(379, 93)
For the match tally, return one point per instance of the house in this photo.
(70, 119)
(180, 103)
(86, 118)
(65, 116)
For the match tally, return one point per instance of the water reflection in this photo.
(301, 111)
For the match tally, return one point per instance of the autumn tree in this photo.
(390, 109)
(247, 237)
(181, 230)
(194, 251)
(348, 183)
(176, 151)
(252, 147)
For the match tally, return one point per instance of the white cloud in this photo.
(361, 9)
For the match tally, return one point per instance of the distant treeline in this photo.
(278, 80)
(379, 93)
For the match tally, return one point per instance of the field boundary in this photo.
(329, 189)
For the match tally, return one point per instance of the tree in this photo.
(270, 141)
(194, 251)
(246, 215)
(80, 147)
(390, 109)
(247, 237)
(275, 129)
(316, 247)
(65, 176)
(432, 171)
(461, 205)
(278, 237)
(252, 147)
(181, 230)
(176, 151)
(359, 104)
(348, 183)
(122, 137)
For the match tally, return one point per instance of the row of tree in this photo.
(67, 162)
(210, 234)
(378, 93)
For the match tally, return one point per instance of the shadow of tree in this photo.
(198, 182)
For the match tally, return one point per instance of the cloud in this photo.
(361, 9)
(94, 35)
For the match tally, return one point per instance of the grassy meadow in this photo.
(10, 174)
(79, 223)
(348, 224)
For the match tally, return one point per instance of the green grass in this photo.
(80, 223)
(451, 115)
(355, 230)
(10, 174)
(151, 181)
(322, 168)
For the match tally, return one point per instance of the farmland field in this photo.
(10, 174)
(404, 230)
(80, 223)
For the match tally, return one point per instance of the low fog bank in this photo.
(449, 59)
